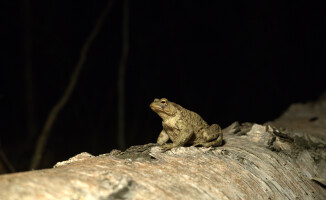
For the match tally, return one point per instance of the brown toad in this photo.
(184, 127)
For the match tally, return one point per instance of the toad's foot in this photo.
(167, 147)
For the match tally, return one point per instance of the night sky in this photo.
(228, 61)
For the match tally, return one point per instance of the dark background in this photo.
(226, 60)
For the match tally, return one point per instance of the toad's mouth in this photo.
(159, 108)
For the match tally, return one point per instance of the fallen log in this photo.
(282, 159)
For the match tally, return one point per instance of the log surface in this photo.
(255, 162)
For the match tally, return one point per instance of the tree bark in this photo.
(255, 162)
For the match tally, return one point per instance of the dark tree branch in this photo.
(5, 160)
(71, 86)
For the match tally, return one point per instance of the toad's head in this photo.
(164, 108)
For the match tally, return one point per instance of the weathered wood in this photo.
(256, 162)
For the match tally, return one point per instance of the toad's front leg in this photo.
(162, 138)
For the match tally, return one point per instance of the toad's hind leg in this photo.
(214, 143)
(213, 136)
(212, 132)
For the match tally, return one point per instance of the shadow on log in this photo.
(283, 159)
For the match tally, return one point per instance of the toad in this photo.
(184, 127)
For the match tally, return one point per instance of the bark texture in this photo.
(283, 159)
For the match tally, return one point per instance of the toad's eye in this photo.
(164, 102)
